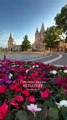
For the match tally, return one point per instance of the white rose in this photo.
(10, 75)
(62, 103)
(65, 71)
(35, 66)
(53, 72)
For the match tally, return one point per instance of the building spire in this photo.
(10, 34)
(42, 28)
(10, 37)
(37, 30)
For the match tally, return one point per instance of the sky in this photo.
(21, 17)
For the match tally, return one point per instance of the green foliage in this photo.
(10, 115)
(21, 115)
(45, 114)
(52, 114)
(63, 113)
(61, 18)
(51, 37)
(2, 49)
(25, 44)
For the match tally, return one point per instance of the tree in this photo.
(61, 18)
(51, 37)
(2, 49)
(25, 44)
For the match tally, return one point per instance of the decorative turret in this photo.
(11, 42)
(37, 30)
(37, 35)
(11, 38)
(42, 29)
(38, 44)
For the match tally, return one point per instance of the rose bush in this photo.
(27, 84)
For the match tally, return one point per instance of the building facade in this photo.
(40, 46)
(12, 45)
(39, 36)
(11, 42)
(38, 43)
(62, 46)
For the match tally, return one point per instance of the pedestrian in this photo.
(4, 57)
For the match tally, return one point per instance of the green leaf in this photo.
(52, 114)
(21, 115)
(63, 113)
(42, 115)
(9, 116)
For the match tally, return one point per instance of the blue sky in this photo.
(21, 17)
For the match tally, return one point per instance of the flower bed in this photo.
(32, 91)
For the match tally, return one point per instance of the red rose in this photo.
(31, 99)
(2, 89)
(13, 87)
(22, 69)
(46, 93)
(33, 75)
(20, 78)
(2, 76)
(3, 111)
(38, 78)
(13, 103)
(25, 92)
(19, 98)
(17, 84)
(18, 89)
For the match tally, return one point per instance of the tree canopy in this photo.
(61, 18)
(51, 36)
(25, 44)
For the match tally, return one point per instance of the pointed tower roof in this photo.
(10, 34)
(11, 38)
(42, 29)
(37, 30)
